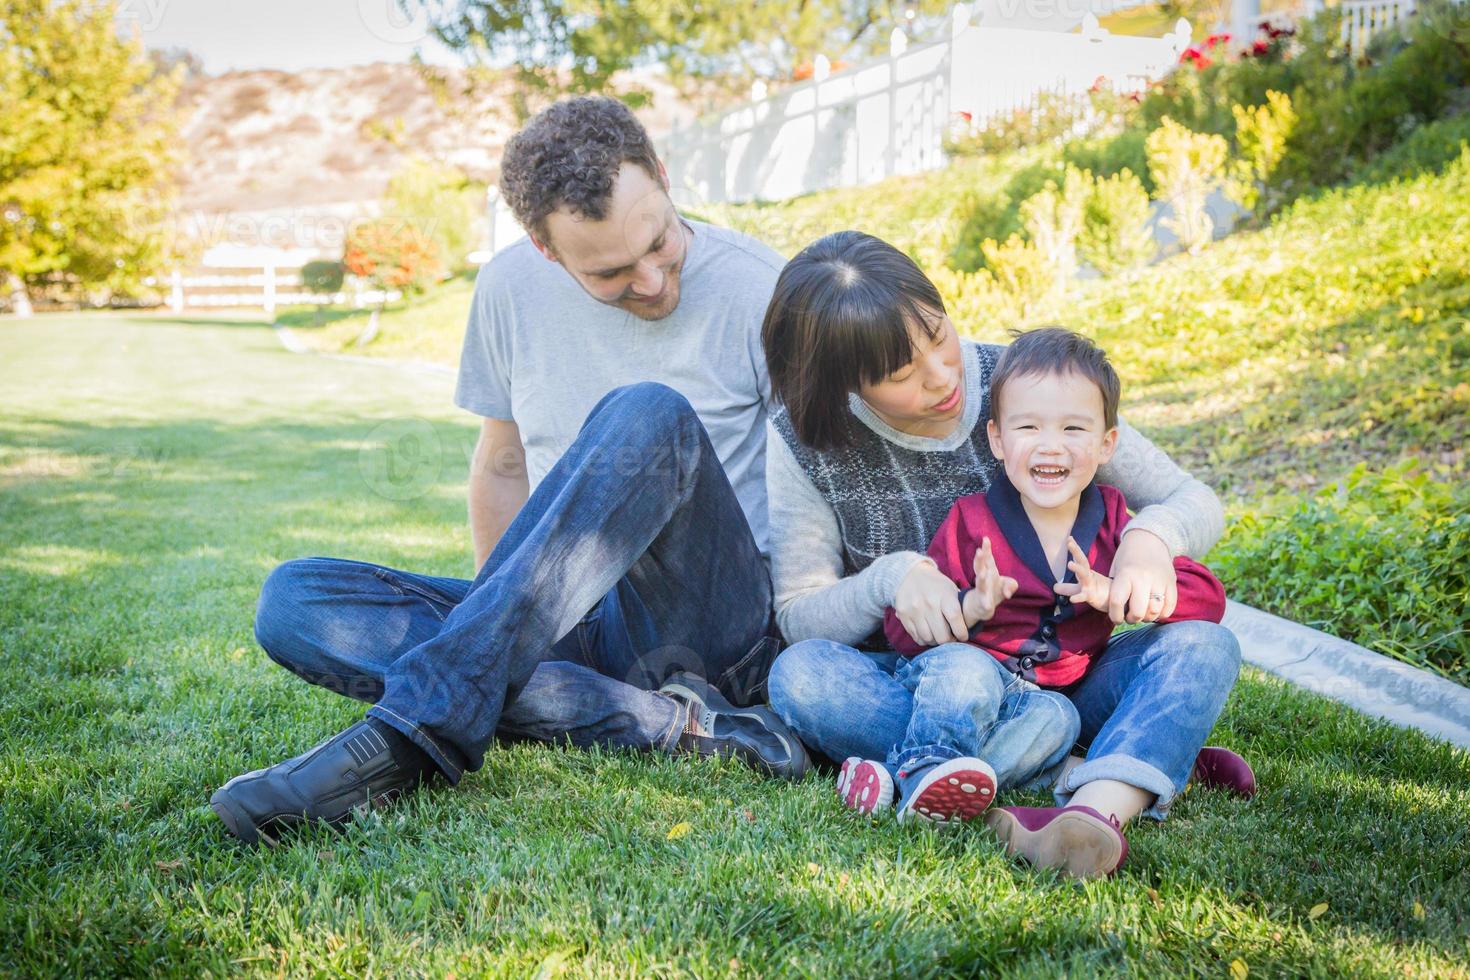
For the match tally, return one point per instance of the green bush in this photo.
(1261, 134)
(1351, 106)
(1382, 559)
(1109, 155)
(1115, 234)
(996, 214)
(1428, 149)
(323, 277)
(1187, 166)
(1021, 270)
(1053, 219)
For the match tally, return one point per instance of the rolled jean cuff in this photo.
(929, 754)
(422, 739)
(1124, 769)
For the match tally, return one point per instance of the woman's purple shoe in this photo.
(1217, 768)
(1074, 839)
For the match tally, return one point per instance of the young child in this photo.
(1031, 557)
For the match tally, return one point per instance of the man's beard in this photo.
(668, 299)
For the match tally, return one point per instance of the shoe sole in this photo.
(864, 786)
(797, 754)
(950, 794)
(1072, 842)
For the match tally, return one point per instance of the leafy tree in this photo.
(87, 133)
(562, 46)
(392, 254)
(441, 202)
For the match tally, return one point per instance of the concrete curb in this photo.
(294, 344)
(1352, 675)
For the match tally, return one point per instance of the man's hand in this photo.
(1091, 587)
(1145, 588)
(991, 587)
(928, 606)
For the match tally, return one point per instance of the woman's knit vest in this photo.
(889, 497)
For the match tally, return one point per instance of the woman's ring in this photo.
(1156, 595)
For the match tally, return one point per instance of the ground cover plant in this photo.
(151, 474)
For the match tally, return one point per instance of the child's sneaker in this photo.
(1076, 839)
(864, 785)
(947, 793)
(1217, 768)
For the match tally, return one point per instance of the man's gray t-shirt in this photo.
(541, 352)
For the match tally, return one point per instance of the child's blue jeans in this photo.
(954, 700)
(1146, 705)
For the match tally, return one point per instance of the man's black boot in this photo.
(754, 735)
(369, 765)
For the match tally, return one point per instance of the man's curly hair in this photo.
(568, 156)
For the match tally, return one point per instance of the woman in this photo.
(881, 428)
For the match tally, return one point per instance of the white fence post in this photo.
(270, 290)
(176, 293)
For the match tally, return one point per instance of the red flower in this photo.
(1215, 39)
(1198, 58)
(1261, 47)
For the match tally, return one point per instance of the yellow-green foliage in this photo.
(1261, 135)
(1115, 234)
(1186, 168)
(1021, 270)
(1053, 218)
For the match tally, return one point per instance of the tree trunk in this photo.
(20, 302)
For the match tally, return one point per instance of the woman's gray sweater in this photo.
(848, 525)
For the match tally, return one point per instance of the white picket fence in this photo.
(255, 287)
(890, 115)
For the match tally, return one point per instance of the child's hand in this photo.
(1091, 587)
(991, 587)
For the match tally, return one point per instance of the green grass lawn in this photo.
(153, 471)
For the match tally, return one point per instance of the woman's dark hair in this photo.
(842, 315)
(1056, 350)
(569, 155)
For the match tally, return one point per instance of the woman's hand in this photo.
(991, 587)
(1145, 588)
(928, 606)
(1091, 587)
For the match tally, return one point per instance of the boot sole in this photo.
(1072, 842)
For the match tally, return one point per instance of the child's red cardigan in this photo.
(1036, 633)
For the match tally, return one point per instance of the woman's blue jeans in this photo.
(1145, 708)
(631, 561)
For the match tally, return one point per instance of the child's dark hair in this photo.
(842, 315)
(1057, 350)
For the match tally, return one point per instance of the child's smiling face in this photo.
(1052, 435)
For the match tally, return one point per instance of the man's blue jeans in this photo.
(632, 560)
(1146, 706)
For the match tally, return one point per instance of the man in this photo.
(616, 500)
